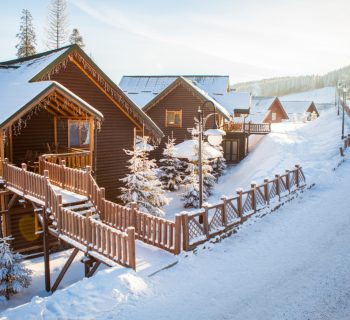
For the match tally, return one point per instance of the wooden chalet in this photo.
(174, 107)
(58, 108)
(300, 110)
(267, 110)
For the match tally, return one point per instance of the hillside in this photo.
(286, 85)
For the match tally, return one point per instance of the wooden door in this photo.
(231, 150)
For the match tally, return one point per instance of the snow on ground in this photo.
(149, 260)
(291, 264)
(313, 145)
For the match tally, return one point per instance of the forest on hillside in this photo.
(286, 85)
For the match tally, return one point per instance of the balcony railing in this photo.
(249, 127)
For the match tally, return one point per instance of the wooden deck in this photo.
(248, 128)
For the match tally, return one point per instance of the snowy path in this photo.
(291, 264)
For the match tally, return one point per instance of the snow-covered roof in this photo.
(16, 90)
(234, 100)
(142, 89)
(188, 150)
(297, 107)
(260, 108)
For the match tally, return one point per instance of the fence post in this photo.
(278, 189)
(5, 168)
(345, 144)
(24, 180)
(62, 173)
(88, 230)
(253, 191)
(205, 219)
(266, 190)
(100, 201)
(131, 247)
(133, 209)
(239, 203)
(177, 243)
(297, 182)
(87, 179)
(59, 211)
(341, 151)
(348, 139)
(287, 181)
(224, 210)
(185, 235)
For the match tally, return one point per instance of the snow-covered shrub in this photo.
(13, 275)
(170, 167)
(142, 184)
(190, 196)
(218, 164)
(313, 115)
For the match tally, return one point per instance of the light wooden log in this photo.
(131, 247)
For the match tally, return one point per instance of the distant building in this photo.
(267, 110)
(300, 110)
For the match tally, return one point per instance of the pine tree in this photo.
(57, 24)
(142, 184)
(170, 167)
(219, 164)
(13, 275)
(190, 197)
(76, 38)
(26, 36)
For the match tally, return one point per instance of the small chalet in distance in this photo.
(300, 110)
(59, 105)
(267, 110)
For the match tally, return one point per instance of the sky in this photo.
(247, 40)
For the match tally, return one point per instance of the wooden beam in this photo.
(12, 201)
(10, 144)
(93, 269)
(64, 269)
(46, 251)
(138, 125)
(91, 140)
(55, 131)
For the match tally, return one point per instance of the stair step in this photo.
(80, 207)
(75, 203)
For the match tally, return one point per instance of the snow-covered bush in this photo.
(313, 115)
(170, 167)
(142, 185)
(218, 164)
(13, 275)
(190, 196)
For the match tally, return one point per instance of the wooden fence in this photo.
(214, 219)
(249, 127)
(98, 237)
(75, 160)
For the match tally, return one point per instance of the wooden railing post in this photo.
(133, 209)
(297, 181)
(185, 235)
(5, 169)
(177, 243)
(224, 211)
(287, 181)
(277, 181)
(100, 201)
(205, 219)
(87, 180)
(58, 207)
(266, 190)
(239, 203)
(253, 191)
(131, 247)
(88, 228)
(62, 173)
(341, 151)
(24, 180)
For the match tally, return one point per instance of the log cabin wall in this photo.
(277, 108)
(37, 132)
(184, 99)
(117, 131)
(62, 133)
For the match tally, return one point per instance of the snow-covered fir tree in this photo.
(57, 29)
(142, 184)
(26, 36)
(219, 164)
(170, 167)
(13, 275)
(190, 197)
(76, 38)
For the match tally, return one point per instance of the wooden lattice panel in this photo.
(231, 212)
(260, 197)
(247, 204)
(216, 221)
(195, 229)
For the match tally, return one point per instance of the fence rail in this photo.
(75, 160)
(249, 127)
(214, 219)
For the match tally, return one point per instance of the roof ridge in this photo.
(35, 56)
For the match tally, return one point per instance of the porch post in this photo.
(92, 141)
(55, 131)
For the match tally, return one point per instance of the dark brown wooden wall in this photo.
(181, 98)
(242, 147)
(38, 132)
(62, 133)
(116, 132)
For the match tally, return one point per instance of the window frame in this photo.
(80, 145)
(273, 116)
(176, 112)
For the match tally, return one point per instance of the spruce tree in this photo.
(57, 24)
(76, 38)
(142, 184)
(219, 164)
(170, 167)
(13, 275)
(190, 197)
(26, 36)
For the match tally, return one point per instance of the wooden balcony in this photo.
(248, 128)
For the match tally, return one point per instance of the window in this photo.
(78, 133)
(273, 116)
(173, 118)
